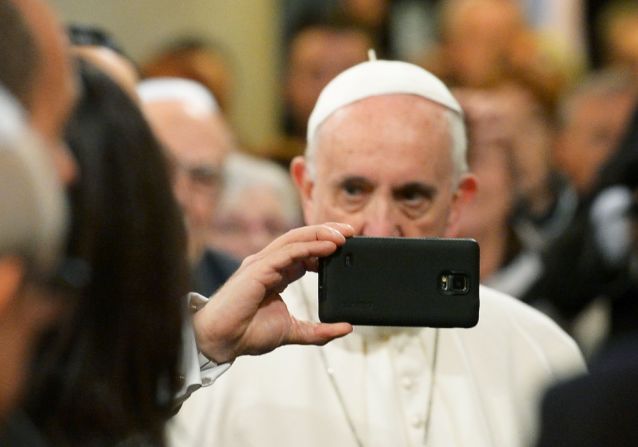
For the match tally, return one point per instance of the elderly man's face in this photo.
(196, 143)
(383, 165)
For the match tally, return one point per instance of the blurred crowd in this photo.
(549, 91)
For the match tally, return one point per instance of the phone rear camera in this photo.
(454, 283)
(459, 283)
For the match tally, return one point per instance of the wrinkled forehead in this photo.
(391, 115)
(389, 129)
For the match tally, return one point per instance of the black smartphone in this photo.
(427, 282)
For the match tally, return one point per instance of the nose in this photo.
(380, 219)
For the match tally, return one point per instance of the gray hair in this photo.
(242, 172)
(32, 201)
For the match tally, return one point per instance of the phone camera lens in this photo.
(454, 283)
(459, 283)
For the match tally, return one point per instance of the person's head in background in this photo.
(196, 139)
(386, 154)
(490, 158)
(259, 203)
(532, 129)
(32, 229)
(36, 69)
(619, 30)
(193, 58)
(592, 119)
(486, 42)
(98, 47)
(475, 35)
(317, 52)
(110, 372)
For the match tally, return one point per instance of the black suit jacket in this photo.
(599, 409)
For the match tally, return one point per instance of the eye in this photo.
(353, 192)
(415, 199)
(352, 189)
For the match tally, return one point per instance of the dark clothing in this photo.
(575, 268)
(600, 409)
(19, 431)
(212, 271)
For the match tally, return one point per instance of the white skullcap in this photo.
(375, 78)
(32, 200)
(191, 93)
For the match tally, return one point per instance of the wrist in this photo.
(209, 343)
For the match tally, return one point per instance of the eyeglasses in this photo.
(205, 176)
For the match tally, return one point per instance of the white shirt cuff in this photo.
(196, 369)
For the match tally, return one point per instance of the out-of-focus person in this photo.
(317, 52)
(506, 263)
(94, 385)
(592, 119)
(32, 229)
(197, 140)
(98, 47)
(486, 42)
(546, 201)
(259, 202)
(195, 59)
(618, 26)
(596, 409)
(595, 143)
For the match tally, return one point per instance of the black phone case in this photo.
(398, 282)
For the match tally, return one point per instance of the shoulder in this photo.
(526, 326)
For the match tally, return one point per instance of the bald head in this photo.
(53, 86)
(18, 68)
(189, 135)
(197, 140)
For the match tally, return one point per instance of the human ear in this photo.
(304, 183)
(465, 193)
(11, 275)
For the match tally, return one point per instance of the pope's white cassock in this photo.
(479, 387)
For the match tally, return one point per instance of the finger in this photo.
(307, 333)
(345, 229)
(298, 252)
(323, 232)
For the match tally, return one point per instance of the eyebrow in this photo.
(356, 179)
(428, 191)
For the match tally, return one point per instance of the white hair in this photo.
(242, 172)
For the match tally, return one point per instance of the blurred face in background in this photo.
(530, 146)
(490, 158)
(477, 35)
(249, 222)
(621, 40)
(196, 143)
(316, 56)
(590, 134)
(384, 165)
